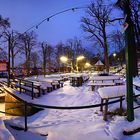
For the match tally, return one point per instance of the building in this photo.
(3, 68)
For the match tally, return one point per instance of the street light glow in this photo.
(114, 54)
(64, 59)
(80, 57)
(87, 64)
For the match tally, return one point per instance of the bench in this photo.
(46, 86)
(105, 82)
(100, 84)
(25, 85)
(76, 81)
(111, 92)
(55, 85)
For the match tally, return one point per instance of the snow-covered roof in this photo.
(99, 62)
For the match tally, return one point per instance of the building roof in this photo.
(99, 62)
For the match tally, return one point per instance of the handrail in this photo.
(26, 104)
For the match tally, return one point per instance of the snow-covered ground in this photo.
(85, 124)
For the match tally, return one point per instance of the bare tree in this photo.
(118, 41)
(35, 60)
(27, 40)
(3, 54)
(96, 22)
(12, 38)
(50, 51)
(59, 51)
(4, 24)
(43, 54)
(74, 49)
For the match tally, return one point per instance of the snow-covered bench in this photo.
(55, 85)
(111, 92)
(100, 84)
(25, 85)
(102, 81)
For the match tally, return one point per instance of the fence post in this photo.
(32, 91)
(20, 85)
(25, 116)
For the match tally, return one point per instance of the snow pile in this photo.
(4, 133)
(85, 124)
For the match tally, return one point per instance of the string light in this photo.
(48, 18)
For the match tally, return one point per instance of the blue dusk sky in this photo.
(23, 14)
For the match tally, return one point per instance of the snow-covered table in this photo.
(102, 81)
(111, 92)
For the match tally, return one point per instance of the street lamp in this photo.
(63, 59)
(79, 58)
(87, 65)
(114, 54)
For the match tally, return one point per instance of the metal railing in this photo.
(26, 104)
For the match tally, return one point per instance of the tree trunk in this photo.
(106, 58)
(13, 74)
(105, 50)
(44, 67)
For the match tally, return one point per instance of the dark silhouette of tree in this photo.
(74, 49)
(46, 53)
(4, 23)
(11, 37)
(95, 23)
(27, 42)
(35, 59)
(49, 56)
(59, 51)
(118, 42)
(3, 54)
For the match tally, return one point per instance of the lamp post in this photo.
(125, 6)
(87, 65)
(79, 58)
(129, 61)
(114, 55)
(63, 59)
